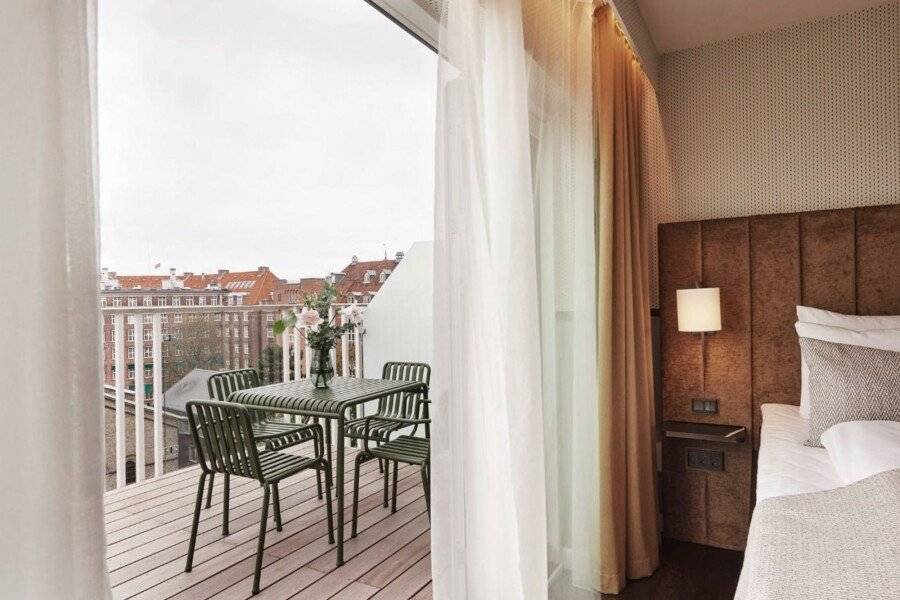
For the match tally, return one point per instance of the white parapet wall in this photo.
(398, 321)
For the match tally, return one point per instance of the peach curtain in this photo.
(629, 546)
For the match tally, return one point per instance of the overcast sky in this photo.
(286, 133)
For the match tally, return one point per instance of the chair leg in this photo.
(197, 504)
(394, 493)
(225, 500)
(426, 483)
(276, 501)
(209, 491)
(387, 474)
(360, 459)
(319, 483)
(263, 519)
(317, 445)
(328, 484)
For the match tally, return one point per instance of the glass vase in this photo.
(321, 370)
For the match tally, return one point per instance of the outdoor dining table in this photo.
(301, 397)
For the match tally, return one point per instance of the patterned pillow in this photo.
(849, 383)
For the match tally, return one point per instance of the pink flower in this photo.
(353, 313)
(309, 319)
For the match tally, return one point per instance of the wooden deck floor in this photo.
(148, 525)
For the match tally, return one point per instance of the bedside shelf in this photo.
(726, 434)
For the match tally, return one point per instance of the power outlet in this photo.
(705, 406)
(705, 460)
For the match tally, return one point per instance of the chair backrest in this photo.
(403, 405)
(220, 385)
(223, 436)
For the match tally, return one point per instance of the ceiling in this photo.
(679, 24)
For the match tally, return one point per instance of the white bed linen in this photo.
(784, 465)
(859, 449)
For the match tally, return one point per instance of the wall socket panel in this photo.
(705, 460)
(705, 406)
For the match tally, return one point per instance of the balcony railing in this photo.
(296, 353)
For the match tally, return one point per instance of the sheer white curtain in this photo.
(51, 426)
(515, 393)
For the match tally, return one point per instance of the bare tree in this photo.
(195, 343)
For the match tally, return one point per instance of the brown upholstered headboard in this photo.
(843, 260)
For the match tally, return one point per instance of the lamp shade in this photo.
(698, 309)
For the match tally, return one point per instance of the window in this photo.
(236, 350)
(270, 317)
(103, 302)
(148, 335)
(148, 319)
(178, 317)
(227, 363)
(132, 301)
(246, 317)
(160, 300)
(148, 352)
(227, 332)
(148, 301)
(130, 472)
(131, 353)
(217, 317)
(131, 369)
(246, 348)
(369, 276)
(234, 331)
(227, 318)
(385, 273)
(270, 333)
(218, 333)
(177, 351)
(189, 300)
(148, 371)
(176, 301)
(117, 301)
(246, 331)
(201, 300)
(164, 318)
(130, 334)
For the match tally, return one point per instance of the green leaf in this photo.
(278, 327)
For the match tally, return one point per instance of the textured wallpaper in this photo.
(802, 118)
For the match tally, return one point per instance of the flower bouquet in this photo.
(321, 331)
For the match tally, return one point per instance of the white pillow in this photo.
(807, 314)
(860, 449)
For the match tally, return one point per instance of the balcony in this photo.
(148, 521)
(148, 524)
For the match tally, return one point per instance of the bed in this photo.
(784, 465)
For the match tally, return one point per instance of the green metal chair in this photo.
(401, 406)
(403, 449)
(276, 435)
(223, 434)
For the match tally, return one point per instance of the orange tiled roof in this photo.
(354, 277)
(258, 285)
(147, 282)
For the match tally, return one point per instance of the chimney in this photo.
(172, 272)
(223, 272)
(262, 269)
(399, 256)
(188, 274)
(354, 260)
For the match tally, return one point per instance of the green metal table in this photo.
(301, 397)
